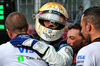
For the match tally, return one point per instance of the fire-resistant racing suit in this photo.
(62, 55)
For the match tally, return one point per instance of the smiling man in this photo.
(75, 39)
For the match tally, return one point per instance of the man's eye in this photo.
(72, 38)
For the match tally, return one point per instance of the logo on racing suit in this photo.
(81, 57)
(20, 58)
(80, 60)
(25, 50)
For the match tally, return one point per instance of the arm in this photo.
(63, 57)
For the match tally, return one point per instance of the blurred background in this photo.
(30, 7)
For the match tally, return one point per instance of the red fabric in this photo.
(31, 31)
(65, 34)
(74, 58)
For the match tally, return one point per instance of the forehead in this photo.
(73, 32)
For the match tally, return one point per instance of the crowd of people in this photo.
(47, 47)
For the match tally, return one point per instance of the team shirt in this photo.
(19, 56)
(89, 55)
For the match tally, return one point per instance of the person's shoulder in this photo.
(91, 46)
(5, 45)
(88, 48)
(84, 49)
(89, 51)
(95, 43)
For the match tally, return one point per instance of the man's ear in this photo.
(89, 27)
(9, 33)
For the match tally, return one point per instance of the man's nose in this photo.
(48, 25)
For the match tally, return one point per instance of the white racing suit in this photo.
(19, 56)
(62, 57)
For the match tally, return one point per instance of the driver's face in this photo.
(49, 24)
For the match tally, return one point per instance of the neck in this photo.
(95, 35)
(15, 34)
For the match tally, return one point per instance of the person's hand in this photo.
(23, 40)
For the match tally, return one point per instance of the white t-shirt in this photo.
(89, 55)
(18, 56)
